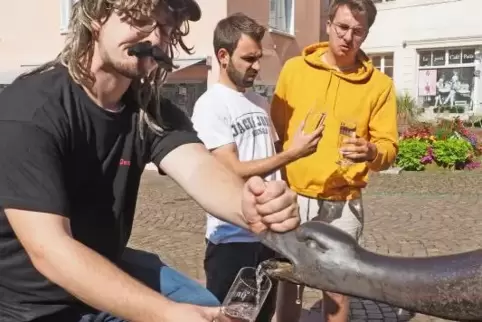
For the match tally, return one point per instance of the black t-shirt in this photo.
(60, 153)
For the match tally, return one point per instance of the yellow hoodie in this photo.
(365, 97)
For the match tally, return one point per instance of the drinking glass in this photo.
(246, 295)
(347, 130)
(312, 120)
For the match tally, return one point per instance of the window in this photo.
(446, 79)
(384, 63)
(281, 15)
(184, 95)
(65, 11)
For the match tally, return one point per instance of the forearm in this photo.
(95, 281)
(386, 155)
(263, 167)
(217, 189)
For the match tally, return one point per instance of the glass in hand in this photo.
(347, 131)
(313, 120)
(246, 295)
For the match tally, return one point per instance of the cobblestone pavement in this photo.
(411, 214)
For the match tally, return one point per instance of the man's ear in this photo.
(327, 27)
(223, 57)
(95, 25)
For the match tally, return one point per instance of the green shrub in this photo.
(410, 153)
(452, 153)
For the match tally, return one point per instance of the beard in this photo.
(238, 78)
(129, 69)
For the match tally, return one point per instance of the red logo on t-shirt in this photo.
(126, 163)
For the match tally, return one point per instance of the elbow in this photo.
(43, 263)
(47, 259)
(381, 167)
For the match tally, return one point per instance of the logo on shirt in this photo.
(125, 163)
(259, 124)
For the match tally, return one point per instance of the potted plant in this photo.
(406, 111)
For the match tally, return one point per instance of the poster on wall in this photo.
(427, 82)
(452, 89)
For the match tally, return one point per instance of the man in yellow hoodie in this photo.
(336, 78)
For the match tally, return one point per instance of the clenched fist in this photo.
(269, 205)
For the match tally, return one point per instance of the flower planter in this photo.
(447, 145)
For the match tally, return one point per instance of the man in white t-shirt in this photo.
(234, 123)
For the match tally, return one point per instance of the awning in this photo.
(184, 63)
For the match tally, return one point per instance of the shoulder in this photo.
(36, 99)
(292, 67)
(211, 102)
(213, 96)
(382, 84)
(381, 78)
(376, 77)
(293, 64)
(206, 98)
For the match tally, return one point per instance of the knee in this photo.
(179, 288)
(203, 297)
(194, 293)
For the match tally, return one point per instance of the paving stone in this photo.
(358, 312)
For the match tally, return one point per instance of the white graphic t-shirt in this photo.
(222, 116)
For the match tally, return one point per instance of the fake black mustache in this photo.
(145, 49)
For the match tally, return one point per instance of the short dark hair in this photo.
(365, 7)
(228, 31)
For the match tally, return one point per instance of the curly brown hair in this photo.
(79, 48)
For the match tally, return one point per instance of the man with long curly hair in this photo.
(75, 136)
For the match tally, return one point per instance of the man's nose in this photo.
(348, 37)
(157, 39)
(256, 65)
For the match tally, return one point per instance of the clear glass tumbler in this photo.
(246, 295)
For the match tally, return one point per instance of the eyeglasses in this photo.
(342, 29)
(147, 25)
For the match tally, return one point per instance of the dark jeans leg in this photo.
(222, 263)
(150, 270)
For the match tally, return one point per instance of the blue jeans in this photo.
(148, 268)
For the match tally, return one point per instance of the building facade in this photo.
(432, 49)
(33, 34)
